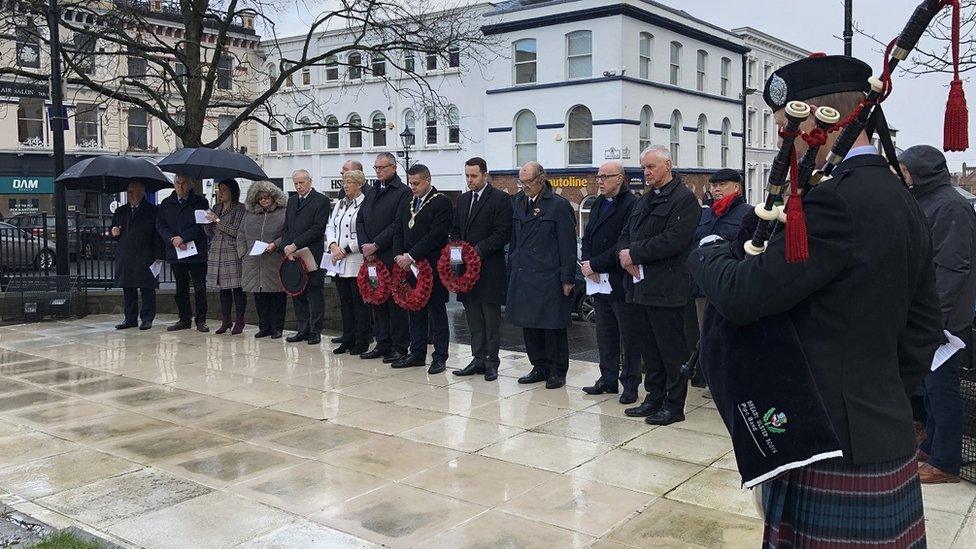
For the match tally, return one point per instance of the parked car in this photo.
(20, 249)
(94, 237)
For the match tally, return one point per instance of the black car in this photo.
(21, 250)
(95, 240)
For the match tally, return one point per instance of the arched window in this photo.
(726, 72)
(579, 54)
(580, 131)
(675, 136)
(331, 68)
(453, 125)
(355, 131)
(410, 62)
(702, 135)
(289, 137)
(272, 72)
(409, 122)
(726, 134)
(331, 132)
(525, 58)
(675, 63)
(355, 62)
(273, 140)
(430, 127)
(379, 129)
(702, 77)
(525, 137)
(586, 205)
(646, 123)
(646, 46)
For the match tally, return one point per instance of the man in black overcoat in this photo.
(484, 219)
(542, 256)
(653, 246)
(137, 247)
(425, 227)
(306, 216)
(177, 225)
(378, 227)
(608, 214)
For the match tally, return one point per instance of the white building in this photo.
(768, 54)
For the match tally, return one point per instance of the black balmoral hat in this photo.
(814, 76)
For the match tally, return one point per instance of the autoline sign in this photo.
(26, 185)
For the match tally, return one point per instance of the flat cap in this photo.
(815, 76)
(725, 174)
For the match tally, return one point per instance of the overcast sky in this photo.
(916, 106)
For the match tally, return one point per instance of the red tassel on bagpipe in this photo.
(797, 249)
(956, 131)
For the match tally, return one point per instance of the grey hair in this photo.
(388, 156)
(539, 170)
(357, 176)
(302, 172)
(660, 150)
(354, 165)
(187, 178)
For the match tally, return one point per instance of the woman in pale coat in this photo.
(264, 222)
(343, 244)
(223, 262)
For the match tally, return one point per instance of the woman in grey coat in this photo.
(223, 261)
(264, 221)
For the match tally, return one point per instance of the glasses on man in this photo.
(528, 181)
(382, 167)
(604, 177)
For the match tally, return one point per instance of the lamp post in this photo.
(57, 126)
(407, 137)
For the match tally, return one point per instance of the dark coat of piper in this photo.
(428, 236)
(175, 219)
(137, 246)
(600, 238)
(542, 257)
(305, 227)
(488, 228)
(864, 304)
(378, 219)
(660, 233)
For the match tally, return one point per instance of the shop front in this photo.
(27, 187)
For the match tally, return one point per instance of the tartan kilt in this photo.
(837, 505)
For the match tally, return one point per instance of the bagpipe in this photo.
(759, 377)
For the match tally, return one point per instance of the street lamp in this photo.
(407, 137)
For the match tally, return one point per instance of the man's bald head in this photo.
(610, 178)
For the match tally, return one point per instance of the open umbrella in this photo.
(112, 174)
(203, 163)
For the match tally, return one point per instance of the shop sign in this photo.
(26, 185)
(24, 89)
(568, 181)
(336, 184)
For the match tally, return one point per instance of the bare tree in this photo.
(212, 66)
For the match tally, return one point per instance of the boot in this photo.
(238, 326)
(224, 326)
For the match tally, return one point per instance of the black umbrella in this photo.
(112, 174)
(203, 163)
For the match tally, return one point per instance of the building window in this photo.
(84, 51)
(675, 63)
(751, 73)
(646, 123)
(180, 70)
(138, 130)
(225, 72)
(87, 135)
(702, 135)
(306, 140)
(430, 118)
(646, 45)
(580, 132)
(726, 135)
(750, 129)
(223, 122)
(579, 54)
(586, 206)
(765, 175)
(525, 137)
(453, 125)
(379, 130)
(726, 70)
(355, 131)
(765, 129)
(273, 140)
(290, 79)
(331, 132)
(379, 65)
(700, 81)
(28, 45)
(30, 123)
(331, 68)
(675, 136)
(431, 61)
(306, 76)
(454, 57)
(767, 69)
(409, 62)
(136, 64)
(289, 137)
(751, 176)
(525, 58)
(355, 62)
(410, 122)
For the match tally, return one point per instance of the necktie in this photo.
(606, 208)
(416, 204)
(474, 201)
(182, 201)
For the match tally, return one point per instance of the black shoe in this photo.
(599, 388)
(202, 327)
(296, 338)
(393, 357)
(276, 335)
(664, 417)
(491, 372)
(436, 367)
(125, 325)
(261, 333)
(145, 326)
(314, 339)
(375, 353)
(181, 325)
(555, 382)
(409, 361)
(474, 367)
(535, 376)
(336, 339)
(648, 407)
(341, 349)
(358, 351)
(628, 397)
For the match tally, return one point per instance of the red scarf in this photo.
(720, 207)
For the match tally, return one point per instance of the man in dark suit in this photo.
(608, 214)
(653, 246)
(306, 216)
(137, 248)
(425, 225)
(378, 227)
(177, 225)
(542, 256)
(484, 219)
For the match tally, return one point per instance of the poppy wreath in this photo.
(379, 294)
(416, 297)
(472, 267)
